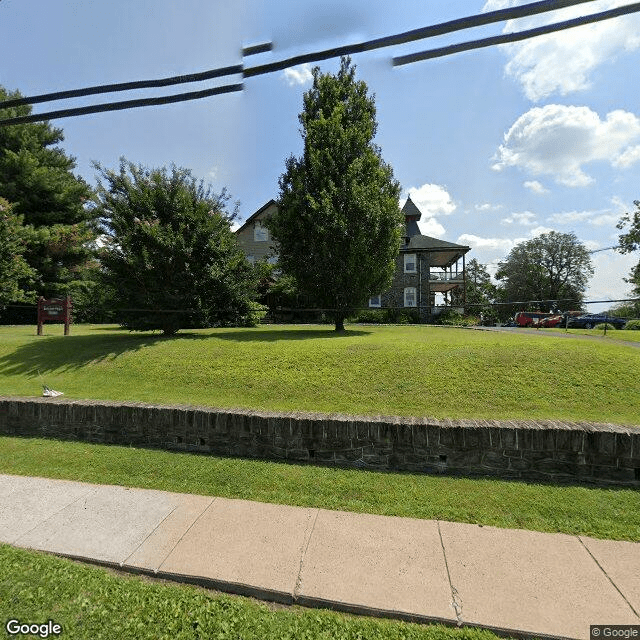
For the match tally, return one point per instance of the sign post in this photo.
(54, 310)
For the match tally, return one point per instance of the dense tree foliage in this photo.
(480, 291)
(630, 241)
(170, 253)
(15, 273)
(553, 268)
(36, 176)
(338, 224)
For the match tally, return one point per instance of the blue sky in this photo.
(495, 146)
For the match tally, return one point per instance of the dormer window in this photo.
(410, 263)
(260, 232)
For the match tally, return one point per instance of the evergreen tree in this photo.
(170, 253)
(15, 273)
(338, 224)
(36, 176)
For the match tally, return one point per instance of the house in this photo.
(253, 237)
(430, 273)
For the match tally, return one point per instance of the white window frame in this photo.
(377, 304)
(260, 232)
(410, 293)
(410, 258)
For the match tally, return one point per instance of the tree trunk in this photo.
(339, 321)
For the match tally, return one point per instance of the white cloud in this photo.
(488, 207)
(535, 186)
(489, 245)
(557, 140)
(431, 227)
(495, 5)
(298, 75)
(562, 62)
(526, 218)
(600, 218)
(628, 157)
(538, 231)
(432, 200)
(607, 282)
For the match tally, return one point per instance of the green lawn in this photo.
(90, 602)
(416, 370)
(579, 510)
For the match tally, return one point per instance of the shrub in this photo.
(370, 316)
(455, 318)
(633, 325)
(604, 325)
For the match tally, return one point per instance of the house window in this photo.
(410, 297)
(260, 232)
(410, 263)
(251, 259)
(375, 301)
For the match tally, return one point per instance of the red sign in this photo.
(54, 310)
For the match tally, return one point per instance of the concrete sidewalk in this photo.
(522, 582)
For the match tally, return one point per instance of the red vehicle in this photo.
(532, 318)
(541, 319)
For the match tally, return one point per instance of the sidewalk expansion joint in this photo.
(615, 586)
(149, 535)
(455, 599)
(184, 534)
(305, 547)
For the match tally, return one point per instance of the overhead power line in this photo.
(416, 34)
(516, 37)
(401, 38)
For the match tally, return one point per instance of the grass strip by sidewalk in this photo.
(579, 510)
(90, 602)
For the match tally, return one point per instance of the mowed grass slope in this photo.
(391, 370)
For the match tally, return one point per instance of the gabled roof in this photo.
(256, 215)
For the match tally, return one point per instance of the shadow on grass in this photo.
(273, 335)
(69, 353)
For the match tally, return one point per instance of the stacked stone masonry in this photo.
(529, 450)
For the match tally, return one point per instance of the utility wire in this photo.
(408, 36)
(125, 104)
(515, 37)
(426, 32)
(417, 34)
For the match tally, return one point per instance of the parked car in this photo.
(553, 321)
(590, 320)
(531, 318)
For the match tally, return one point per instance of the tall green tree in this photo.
(37, 176)
(15, 273)
(170, 253)
(480, 290)
(338, 224)
(552, 267)
(630, 241)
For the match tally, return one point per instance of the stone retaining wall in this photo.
(535, 450)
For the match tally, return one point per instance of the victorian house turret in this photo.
(430, 273)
